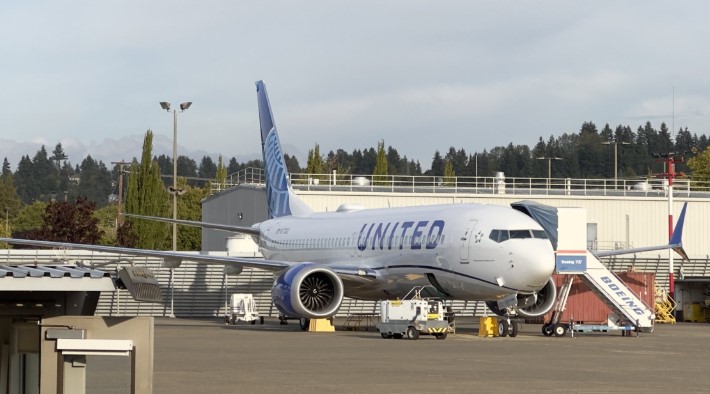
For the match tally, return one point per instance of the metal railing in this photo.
(498, 184)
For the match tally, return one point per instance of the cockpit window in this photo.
(504, 235)
(539, 234)
(499, 235)
(516, 234)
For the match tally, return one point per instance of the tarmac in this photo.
(207, 356)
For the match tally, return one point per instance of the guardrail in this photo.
(498, 184)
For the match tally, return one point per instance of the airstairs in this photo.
(615, 294)
(630, 313)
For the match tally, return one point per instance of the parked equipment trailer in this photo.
(242, 308)
(412, 318)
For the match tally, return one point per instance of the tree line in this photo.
(46, 196)
(588, 153)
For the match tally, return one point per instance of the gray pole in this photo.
(616, 168)
(174, 179)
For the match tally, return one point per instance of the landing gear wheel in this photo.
(253, 322)
(548, 329)
(503, 328)
(397, 336)
(560, 330)
(412, 333)
(386, 335)
(513, 329)
(261, 319)
(304, 323)
(443, 335)
(282, 321)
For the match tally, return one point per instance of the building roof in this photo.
(54, 277)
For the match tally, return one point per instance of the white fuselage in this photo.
(446, 246)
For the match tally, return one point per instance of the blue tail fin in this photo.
(677, 237)
(280, 198)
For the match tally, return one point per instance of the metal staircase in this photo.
(619, 297)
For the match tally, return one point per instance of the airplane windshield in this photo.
(539, 234)
(504, 235)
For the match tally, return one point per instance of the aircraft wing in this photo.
(676, 242)
(269, 265)
(216, 226)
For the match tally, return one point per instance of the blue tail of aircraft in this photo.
(281, 199)
(677, 237)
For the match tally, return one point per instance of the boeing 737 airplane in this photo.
(463, 252)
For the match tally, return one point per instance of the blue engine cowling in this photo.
(308, 290)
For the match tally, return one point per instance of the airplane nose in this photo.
(536, 263)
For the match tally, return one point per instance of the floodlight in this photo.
(185, 106)
(165, 105)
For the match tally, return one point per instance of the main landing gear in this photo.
(507, 327)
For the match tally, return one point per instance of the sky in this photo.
(421, 75)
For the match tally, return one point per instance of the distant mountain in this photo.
(108, 150)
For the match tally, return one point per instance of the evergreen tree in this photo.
(147, 196)
(381, 165)
(315, 164)
(449, 174)
(58, 156)
(9, 204)
(6, 167)
(95, 182)
(292, 165)
(233, 166)
(437, 165)
(190, 208)
(27, 184)
(221, 174)
(207, 169)
(185, 167)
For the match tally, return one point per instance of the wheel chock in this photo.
(488, 327)
(321, 325)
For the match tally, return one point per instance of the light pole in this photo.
(549, 168)
(174, 190)
(616, 156)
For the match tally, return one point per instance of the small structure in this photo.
(242, 308)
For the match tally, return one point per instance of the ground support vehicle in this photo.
(242, 308)
(414, 317)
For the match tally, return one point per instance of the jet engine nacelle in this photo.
(308, 290)
(531, 305)
(540, 303)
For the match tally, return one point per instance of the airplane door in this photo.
(465, 240)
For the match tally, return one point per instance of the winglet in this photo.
(677, 237)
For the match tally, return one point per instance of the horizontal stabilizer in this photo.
(675, 243)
